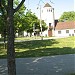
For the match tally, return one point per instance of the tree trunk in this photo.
(10, 45)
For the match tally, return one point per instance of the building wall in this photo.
(64, 34)
(0, 35)
(48, 17)
(49, 33)
(45, 33)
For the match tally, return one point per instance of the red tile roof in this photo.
(65, 25)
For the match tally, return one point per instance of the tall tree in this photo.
(19, 18)
(67, 16)
(10, 45)
(33, 21)
(3, 18)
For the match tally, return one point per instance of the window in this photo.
(49, 10)
(72, 34)
(69, 34)
(49, 24)
(67, 31)
(74, 31)
(59, 32)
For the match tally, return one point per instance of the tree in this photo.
(19, 18)
(67, 16)
(33, 21)
(30, 19)
(10, 45)
(3, 18)
(24, 21)
(44, 26)
(1, 25)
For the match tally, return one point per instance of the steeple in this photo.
(48, 17)
(47, 5)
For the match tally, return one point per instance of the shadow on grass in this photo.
(72, 74)
(35, 44)
(3, 51)
(38, 48)
(1, 39)
(45, 52)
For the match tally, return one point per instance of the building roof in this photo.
(47, 5)
(65, 25)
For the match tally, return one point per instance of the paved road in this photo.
(50, 65)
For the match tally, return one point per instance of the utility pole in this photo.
(39, 4)
(41, 24)
(34, 31)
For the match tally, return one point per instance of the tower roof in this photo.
(47, 5)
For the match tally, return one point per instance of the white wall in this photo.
(0, 35)
(25, 33)
(48, 16)
(16, 34)
(45, 33)
(63, 33)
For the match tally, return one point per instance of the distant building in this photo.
(55, 28)
(65, 29)
(48, 17)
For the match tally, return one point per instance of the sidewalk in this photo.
(49, 65)
(44, 38)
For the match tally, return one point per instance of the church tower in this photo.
(48, 17)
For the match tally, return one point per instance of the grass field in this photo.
(72, 74)
(38, 48)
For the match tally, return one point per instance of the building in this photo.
(48, 17)
(64, 29)
(55, 28)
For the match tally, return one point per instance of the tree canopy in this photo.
(23, 20)
(33, 22)
(67, 16)
(3, 16)
(7, 5)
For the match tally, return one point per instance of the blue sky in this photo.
(59, 6)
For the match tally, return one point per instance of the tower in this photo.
(48, 17)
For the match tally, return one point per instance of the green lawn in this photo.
(72, 74)
(38, 48)
(1, 39)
